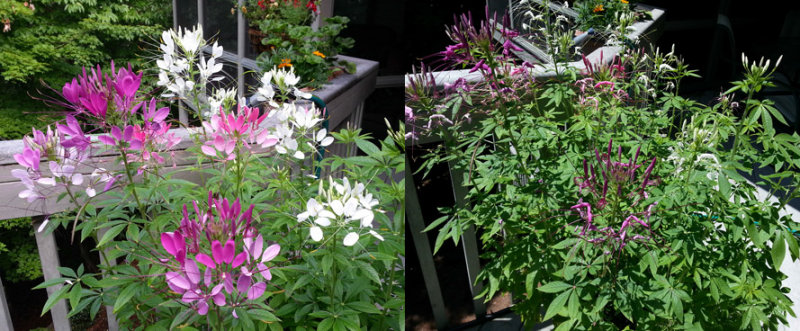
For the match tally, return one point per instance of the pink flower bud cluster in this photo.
(204, 258)
(619, 179)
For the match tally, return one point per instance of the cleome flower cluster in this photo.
(613, 187)
(342, 208)
(221, 241)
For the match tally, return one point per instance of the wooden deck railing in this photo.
(344, 97)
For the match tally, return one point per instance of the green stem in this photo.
(142, 210)
(736, 140)
(333, 273)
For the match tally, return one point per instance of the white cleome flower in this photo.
(339, 207)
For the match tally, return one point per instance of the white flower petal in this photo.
(316, 233)
(326, 214)
(77, 179)
(47, 181)
(376, 235)
(322, 221)
(44, 225)
(337, 207)
(350, 239)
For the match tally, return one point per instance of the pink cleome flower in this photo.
(196, 238)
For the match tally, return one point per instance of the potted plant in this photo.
(605, 200)
(560, 31)
(245, 233)
(282, 34)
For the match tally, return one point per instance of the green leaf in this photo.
(370, 272)
(111, 234)
(677, 307)
(262, 315)
(327, 262)
(752, 230)
(554, 287)
(55, 297)
(75, 296)
(326, 324)
(573, 306)
(368, 147)
(436, 223)
(569, 242)
(529, 278)
(557, 304)
(365, 307)
(67, 272)
(724, 186)
(714, 291)
(244, 317)
(124, 296)
(48, 283)
(778, 251)
(82, 305)
(566, 326)
(180, 318)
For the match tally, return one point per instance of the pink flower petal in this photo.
(216, 251)
(216, 290)
(202, 308)
(192, 271)
(207, 277)
(256, 290)
(219, 299)
(258, 248)
(208, 150)
(117, 133)
(264, 271)
(243, 284)
(128, 133)
(178, 280)
(206, 260)
(228, 251)
(271, 252)
(107, 140)
(239, 259)
(228, 282)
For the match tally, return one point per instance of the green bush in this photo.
(19, 258)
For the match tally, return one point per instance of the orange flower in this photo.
(285, 63)
(318, 53)
(624, 1)
(598, 8)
